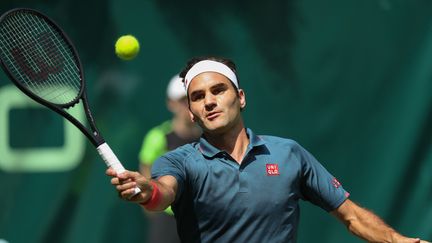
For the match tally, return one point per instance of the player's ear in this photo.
(192, 116)
(242, 98)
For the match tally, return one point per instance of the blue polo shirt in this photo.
(219, 200)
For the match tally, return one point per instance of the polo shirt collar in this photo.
(209, 150)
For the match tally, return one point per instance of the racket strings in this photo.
(41, 91)
(40, 58)
(46, 60)
(32, 63)
(6, 46)
(47, 43)
(45, 64)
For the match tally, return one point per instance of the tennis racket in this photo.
(43, 63)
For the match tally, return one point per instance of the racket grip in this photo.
(112, 161)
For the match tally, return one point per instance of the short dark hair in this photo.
(229, 63)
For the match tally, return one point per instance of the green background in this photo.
(349, 80)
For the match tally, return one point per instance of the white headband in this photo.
(209, 66)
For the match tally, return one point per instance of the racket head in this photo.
(40, 59)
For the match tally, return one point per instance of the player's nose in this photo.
(210, 102)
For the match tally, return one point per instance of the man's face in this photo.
(214, 103)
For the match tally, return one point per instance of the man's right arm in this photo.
(156, 195)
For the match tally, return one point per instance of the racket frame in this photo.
(94, 136)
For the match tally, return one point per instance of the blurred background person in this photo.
(167, 136)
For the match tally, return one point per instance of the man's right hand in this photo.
(126, 182)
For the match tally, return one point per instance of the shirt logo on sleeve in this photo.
(336, 183)
(272, 169)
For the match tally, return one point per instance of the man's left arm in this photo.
(368, 226)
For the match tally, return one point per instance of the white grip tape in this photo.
(110, 158)
(112, 161)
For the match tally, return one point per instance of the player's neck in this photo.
(234, 141)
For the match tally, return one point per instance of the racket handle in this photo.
(112, 161)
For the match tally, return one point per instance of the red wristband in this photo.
(155, 198)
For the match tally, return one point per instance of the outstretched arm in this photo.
(368, 226)
(156, 195)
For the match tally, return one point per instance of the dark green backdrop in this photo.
(350, 80)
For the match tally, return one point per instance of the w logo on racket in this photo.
(38, 65)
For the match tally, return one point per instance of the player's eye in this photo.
(197, 96)
(218, 89)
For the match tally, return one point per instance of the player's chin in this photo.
(215, 127)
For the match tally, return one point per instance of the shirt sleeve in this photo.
(170, 164)
(318, 185)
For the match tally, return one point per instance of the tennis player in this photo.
(236, 186)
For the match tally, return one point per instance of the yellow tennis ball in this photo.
(127, 47)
